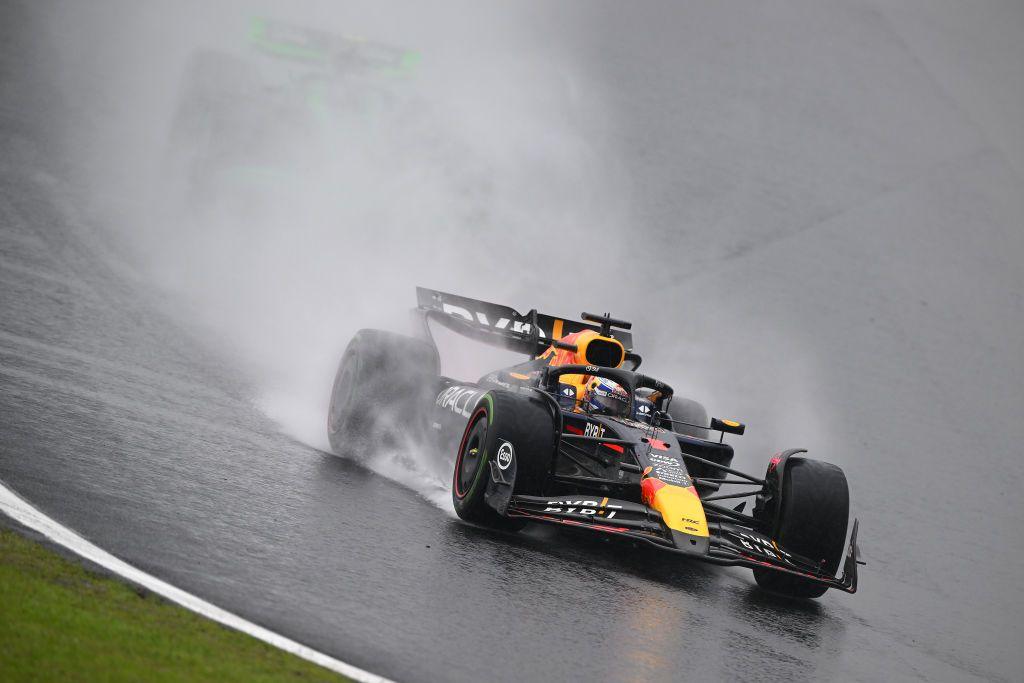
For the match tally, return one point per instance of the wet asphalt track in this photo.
(897, 261)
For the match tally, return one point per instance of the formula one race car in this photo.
(274, 100)
(575, 436)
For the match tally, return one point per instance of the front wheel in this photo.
(808, 515)
(506, 450)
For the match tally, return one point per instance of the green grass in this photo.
(61, 622)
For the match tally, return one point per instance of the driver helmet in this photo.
(606, 397)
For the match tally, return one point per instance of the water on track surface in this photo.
(838, 302)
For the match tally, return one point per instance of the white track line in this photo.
(24, 513)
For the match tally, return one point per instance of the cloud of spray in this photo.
(286, 205)
(291, 204)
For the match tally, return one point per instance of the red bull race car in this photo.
(575, 436)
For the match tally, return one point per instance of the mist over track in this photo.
(811, 212)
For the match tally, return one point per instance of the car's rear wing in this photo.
(502, 326)
(347, 54)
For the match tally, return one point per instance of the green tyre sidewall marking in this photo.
(484, 457)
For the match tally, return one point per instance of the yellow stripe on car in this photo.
(681, 509)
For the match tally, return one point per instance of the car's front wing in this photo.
(730, 544)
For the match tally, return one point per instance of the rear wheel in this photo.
(808, 516)
(384, 383)
(693, 413)
(506, 450)
(689, 411)
(208, 122)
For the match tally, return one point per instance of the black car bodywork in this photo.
(655, 479)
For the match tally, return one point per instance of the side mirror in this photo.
(727, 426)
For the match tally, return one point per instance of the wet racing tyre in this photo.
(688, 410)
(813, 508)
(513, 435)
(382, 390)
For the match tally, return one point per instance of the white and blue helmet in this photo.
(606, 397)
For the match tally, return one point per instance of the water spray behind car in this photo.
(284, 186)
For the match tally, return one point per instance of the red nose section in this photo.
(648, 487)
